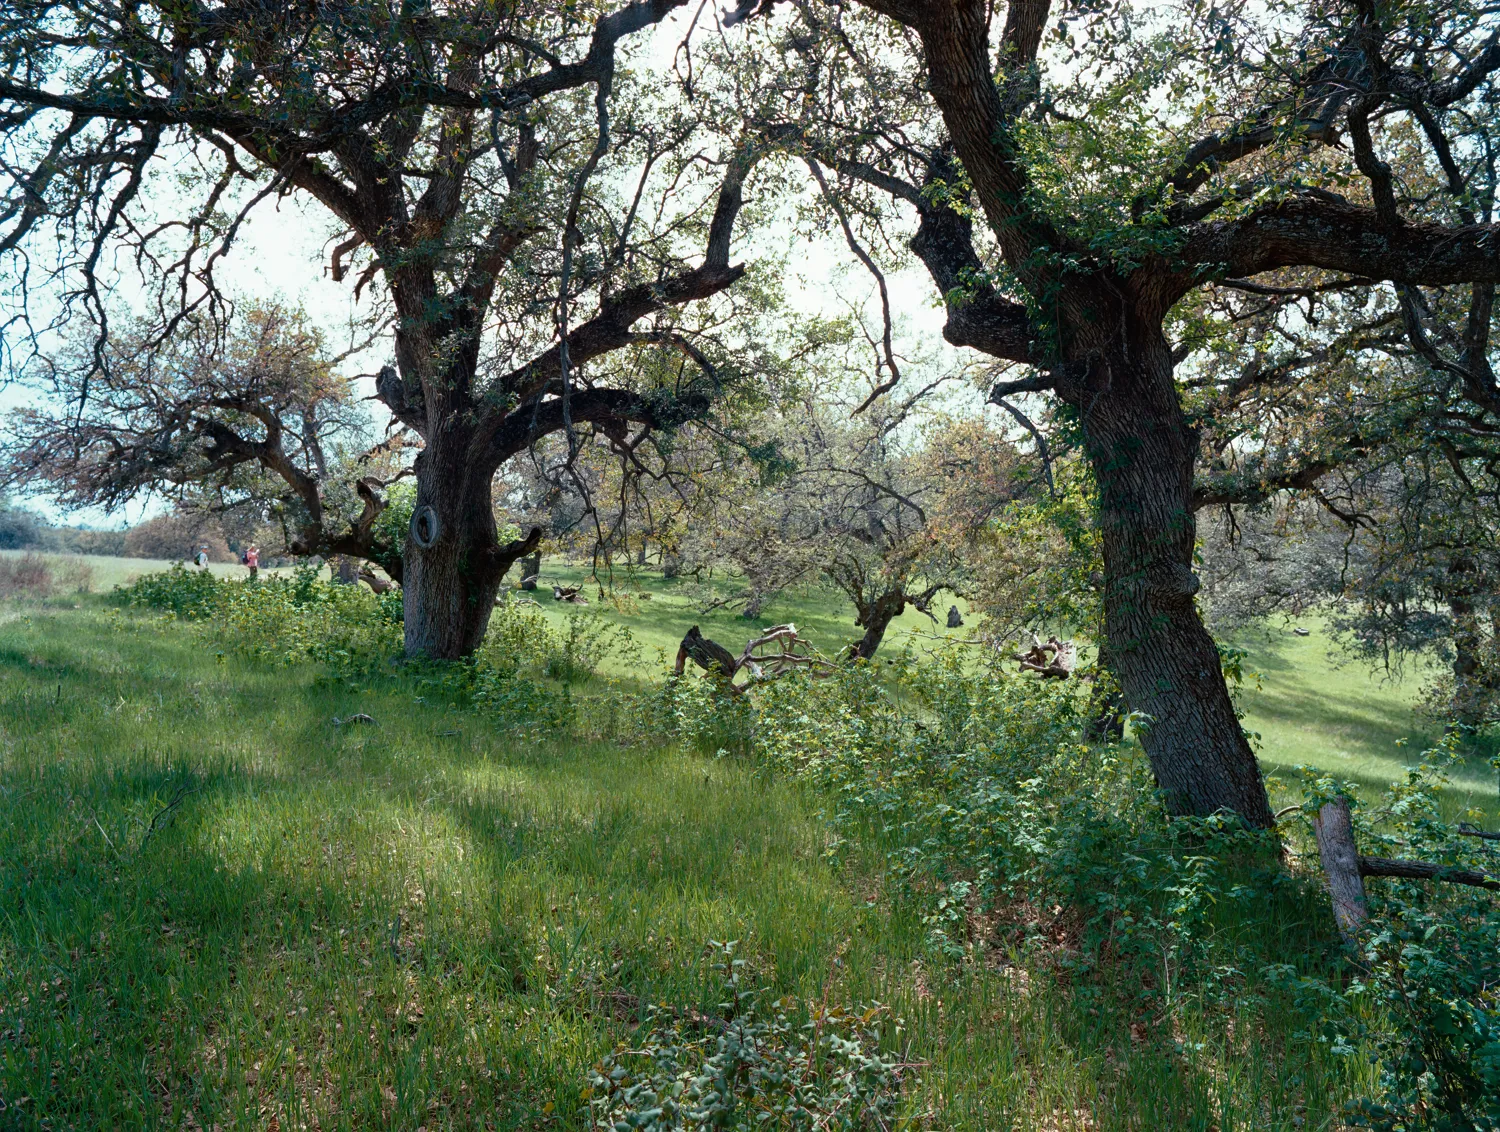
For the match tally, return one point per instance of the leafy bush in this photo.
(752, 1067)
(357, 634)
(588, 640)
(285, 619)
(192, 594)
(1430, 977)
(998, 818)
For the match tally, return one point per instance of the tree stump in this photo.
(345, 570)
(531, 566)
(707, 654)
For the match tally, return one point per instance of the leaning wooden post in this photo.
(1346, 886)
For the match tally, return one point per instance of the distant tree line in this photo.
(171, 536)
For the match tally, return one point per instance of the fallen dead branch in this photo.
(357, 717)
(375, 582)
(1055, 659)
(1470, 831)
(778, 650)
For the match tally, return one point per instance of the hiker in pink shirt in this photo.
(252, 560)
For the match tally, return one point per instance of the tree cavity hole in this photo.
(425, 527)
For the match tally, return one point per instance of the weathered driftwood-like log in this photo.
(792, 652)
(1055, 660)
(707, 654)
(1346, 886)
(571, 594)
(376, 583)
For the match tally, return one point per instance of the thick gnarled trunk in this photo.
(1143, 451)
(453, 567)
(875, 618)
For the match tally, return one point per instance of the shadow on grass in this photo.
(397, 924)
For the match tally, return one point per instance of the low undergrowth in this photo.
(954, 912)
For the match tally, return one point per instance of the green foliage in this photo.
(390, 526)
(701, 714)
(282, 619)
(997, 820)
(587, 641)
(18, 526)
(1042, 561)
(751, 1067)
(1430, 965)
(193, 594)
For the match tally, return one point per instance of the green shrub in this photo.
(750, 1067)
(992, 810)
(193, 594)
(1427, 996)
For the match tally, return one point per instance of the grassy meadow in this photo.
(221, 910)
(104, 572)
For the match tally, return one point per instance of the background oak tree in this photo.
(528, 203)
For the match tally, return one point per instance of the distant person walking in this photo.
(252, 560)
(202, 558)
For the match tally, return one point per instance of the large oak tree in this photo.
(529, 205)
(1076, 172)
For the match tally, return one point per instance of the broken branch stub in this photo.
(707, 654)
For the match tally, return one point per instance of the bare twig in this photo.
(163, 816)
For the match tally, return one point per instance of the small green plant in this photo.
(752, 1066)
(588, 640)
(1429, 978)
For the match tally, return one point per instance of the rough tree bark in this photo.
(875, 618)
(1143, 453)
(452, 581)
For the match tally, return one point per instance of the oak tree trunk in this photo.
(451, 583)
(1143, 451)
(1471, 683)
(875, 617)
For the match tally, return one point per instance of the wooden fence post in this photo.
(1346, 885)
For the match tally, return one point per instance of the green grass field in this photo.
(219, 909)
(1312, 704)
(658, 622)
(107, 571)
